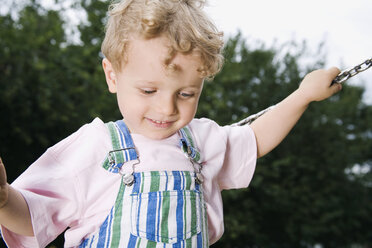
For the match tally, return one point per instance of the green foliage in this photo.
(49, 87)
(303, 193)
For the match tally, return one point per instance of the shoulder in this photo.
(89, 144)
(84, 137)
(207, 129)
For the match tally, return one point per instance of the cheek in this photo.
(189, 110)
(125, 103)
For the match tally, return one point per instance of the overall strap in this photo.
(123, 149)
(188, 145)
(189, 148)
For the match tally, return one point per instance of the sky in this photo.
(344, 26)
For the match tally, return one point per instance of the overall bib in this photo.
(153, 209)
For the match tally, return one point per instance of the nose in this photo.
(167, 105)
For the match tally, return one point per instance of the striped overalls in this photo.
(152, 209)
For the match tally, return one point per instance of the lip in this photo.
(160, 124)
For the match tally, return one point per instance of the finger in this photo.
(3, 178)
(336, 88)
(334, 71)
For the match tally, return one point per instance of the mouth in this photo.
(160, 124)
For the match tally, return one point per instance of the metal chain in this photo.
(342, 77)
(253, 117)
(346, 74)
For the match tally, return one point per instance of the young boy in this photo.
(129, 183)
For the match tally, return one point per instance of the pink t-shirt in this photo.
(67, 186)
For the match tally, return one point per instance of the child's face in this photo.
(153, 100)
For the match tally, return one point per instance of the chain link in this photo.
(342, 77)
(346, 74)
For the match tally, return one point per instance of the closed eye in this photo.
(148, 91)
(186, 94)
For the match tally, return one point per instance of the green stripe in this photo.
(193, 213)
(189, 180)
(165, 214)
(106, 164)
(189, 243)
(197, 157)
(114, 136)
(142, 182)
(184, 215)
(155, 181)
(191, 141)
(119, 156)
(115, 237)
(189, 136)
(115, 141)
(205, 224)
(150, 244)
(139, 242)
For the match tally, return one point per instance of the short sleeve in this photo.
(240, 157)
(50, 193)
(52, 190)
(230, 153)
(229, 159)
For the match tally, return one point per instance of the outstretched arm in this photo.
(14, 212)
(272, 127)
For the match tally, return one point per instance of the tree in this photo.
(50, 86)
(303, 193)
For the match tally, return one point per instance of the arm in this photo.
(272, 127)
(14, 212)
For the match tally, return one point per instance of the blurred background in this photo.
(313, 190)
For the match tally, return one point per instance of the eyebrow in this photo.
(144, 81)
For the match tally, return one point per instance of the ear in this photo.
(110, 75)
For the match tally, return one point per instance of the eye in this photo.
(186, 94)
(148, 91)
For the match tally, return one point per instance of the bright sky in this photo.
(344, 25)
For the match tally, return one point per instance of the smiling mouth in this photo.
(160, 124)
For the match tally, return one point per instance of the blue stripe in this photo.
(132, 241)
(200, 240)
(137, 183)
(84, 243)
(122, 136)
(183, 188)
(138, 213)
(109, 227)
(183, 181)
(158, 226)
(128, 139)
(177, 180)
(166, 181)
(177, 245)
(151, 216)
(179, 215)
(102, 233)
(91, 242)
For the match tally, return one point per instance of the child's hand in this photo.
(4, 187)
(316, 85)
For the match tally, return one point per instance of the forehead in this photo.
(157, 54)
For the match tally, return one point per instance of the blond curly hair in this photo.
(183, 22)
